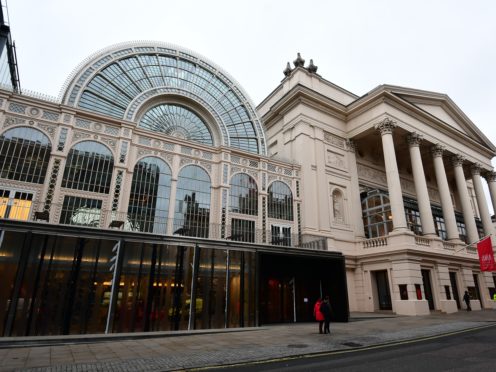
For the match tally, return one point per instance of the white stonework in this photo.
(430, 257)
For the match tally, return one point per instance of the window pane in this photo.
(244, 194)
(280, 201)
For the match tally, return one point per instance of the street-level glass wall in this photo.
(55, 284)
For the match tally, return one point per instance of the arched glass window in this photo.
(89, 167)
(176, 121)
(192, 209)
(24, 155)
(149, 197)
(376, 211)
(337, 206)
(244, 194)
(280, 201)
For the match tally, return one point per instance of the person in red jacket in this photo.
(319, 317)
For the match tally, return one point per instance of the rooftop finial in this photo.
(299, 62)
(287, 70)
(312, 68)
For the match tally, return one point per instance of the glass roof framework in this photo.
(120, 79)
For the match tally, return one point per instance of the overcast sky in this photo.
(446, 46)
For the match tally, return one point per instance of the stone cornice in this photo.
(300, 94)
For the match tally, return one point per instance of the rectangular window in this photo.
(280, 235)
(243, 230)
(413, 221)
(15, 205)
(81, 211)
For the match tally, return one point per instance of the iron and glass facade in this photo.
(143, 201)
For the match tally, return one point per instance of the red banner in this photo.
(486, 255)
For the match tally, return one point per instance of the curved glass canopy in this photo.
(120, 79)
(176, 121)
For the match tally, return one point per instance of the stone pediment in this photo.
(443, 109)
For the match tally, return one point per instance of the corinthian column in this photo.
(491, 182)
(392, 175)
(481, 200)
(444, 193)
(461, 185)
(423, 201)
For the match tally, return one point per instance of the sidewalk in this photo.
(186, 350)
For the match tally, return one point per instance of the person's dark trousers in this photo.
(468, 307)
(321, 323)
(326, 327)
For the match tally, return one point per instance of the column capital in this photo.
(351, 145)
(414, 139)
(491, 176)
(476, 169)
(386, 126)
(457, 160)
(437, 150)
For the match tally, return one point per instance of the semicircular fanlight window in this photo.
(177, 121)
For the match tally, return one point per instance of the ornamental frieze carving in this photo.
(142, 152)
(109, 141)
(334, 140)
(113, 131)
(76, 136)
(335, 160)
(10, 120)
(50, 129)
(235, 170)
(184, 161)
(371, 174)
(206, 165)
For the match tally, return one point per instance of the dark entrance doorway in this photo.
(383, 293)
(454, 287)
(426, 280)
(289, 285)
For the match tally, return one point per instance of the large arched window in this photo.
(89, 167)
(244, 194)
(149, 197)
(192, 209)
(377, 218)
(177, 121)
(24, 155)
(280, 201)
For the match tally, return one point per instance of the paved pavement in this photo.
(169, 351)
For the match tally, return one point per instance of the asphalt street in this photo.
(465, 351)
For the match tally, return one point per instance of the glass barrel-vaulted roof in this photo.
(117, 81)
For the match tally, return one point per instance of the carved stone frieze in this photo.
(184, 161)
(109, 141)
(142, 152)
(335, 160)
(11, 120)
(76, 136)
(334, 140)
(50, 129)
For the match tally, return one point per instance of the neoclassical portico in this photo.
(457, 161)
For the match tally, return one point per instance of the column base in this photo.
(411, 307)
(448, 306)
